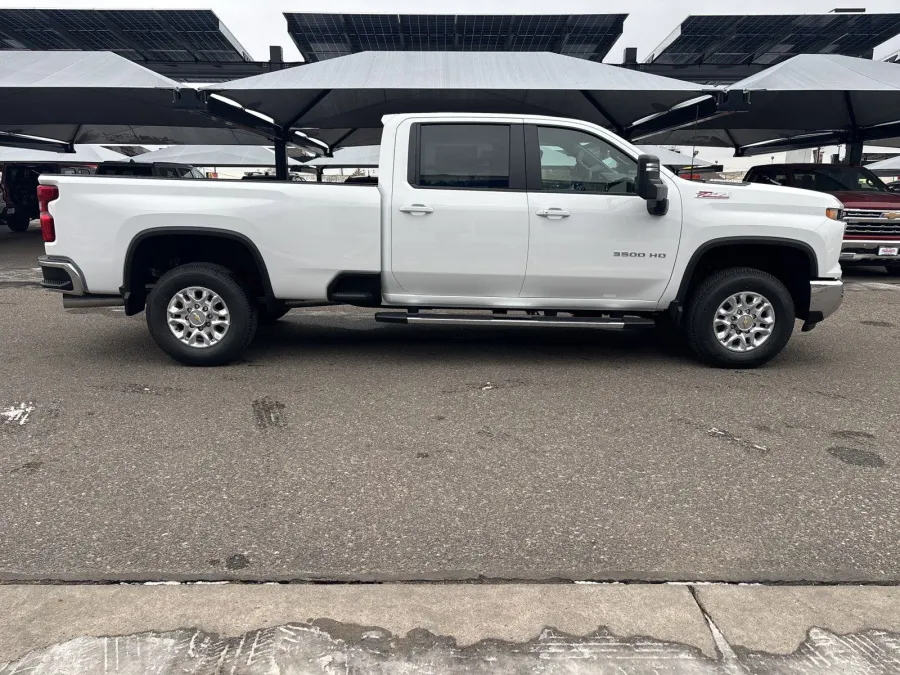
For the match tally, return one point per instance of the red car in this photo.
(871, 208)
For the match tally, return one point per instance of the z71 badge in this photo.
(711, 194)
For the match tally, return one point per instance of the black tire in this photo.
(893, 270)
(220, 280)
(712, 292)
(18, 223)
(267, 317)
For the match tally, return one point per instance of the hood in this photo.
(869, 200)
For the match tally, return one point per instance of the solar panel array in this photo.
(326, 36)
(769, 39)
(140, 35)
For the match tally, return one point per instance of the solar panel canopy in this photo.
(140, 35)
(326, 36)
(769, 39)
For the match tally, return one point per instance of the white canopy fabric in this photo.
(825, 94)
(213, 155)
(673, 159)
(83, 155)
(363, 156)
(355, 91)
(886, 167)
(100, 97)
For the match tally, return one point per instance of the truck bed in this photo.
(305, 232)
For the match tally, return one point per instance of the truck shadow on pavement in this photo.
(298, 334)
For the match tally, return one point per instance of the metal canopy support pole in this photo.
(854, 144)
(854, 153)
(334, 146)
(734, 143)
(281, 166)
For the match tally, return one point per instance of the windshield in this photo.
(837, 178)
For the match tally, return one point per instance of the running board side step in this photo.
(506, 320)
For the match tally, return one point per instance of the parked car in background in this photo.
(894, 186)
(871, 208)
(154, 170)
(18, 190)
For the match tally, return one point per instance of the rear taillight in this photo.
(46, 194)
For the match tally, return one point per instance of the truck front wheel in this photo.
(739, 318)
(200, 314)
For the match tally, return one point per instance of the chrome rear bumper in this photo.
(55, 271)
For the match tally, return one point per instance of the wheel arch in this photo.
(134, 291)
(780, 256)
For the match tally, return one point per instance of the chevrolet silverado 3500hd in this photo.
(557, 218)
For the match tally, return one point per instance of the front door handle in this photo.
(554, 213)
(416, 208)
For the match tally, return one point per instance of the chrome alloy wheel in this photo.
(198, 317)
(744, 321)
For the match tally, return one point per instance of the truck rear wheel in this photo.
(739, 318)
(200, 314)
(893, 269)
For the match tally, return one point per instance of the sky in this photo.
(259, 23)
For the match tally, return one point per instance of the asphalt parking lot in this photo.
(345, 449)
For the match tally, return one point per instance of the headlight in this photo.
(835, 214)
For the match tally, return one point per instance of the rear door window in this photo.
(463, 156)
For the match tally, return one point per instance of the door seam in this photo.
(528, 243)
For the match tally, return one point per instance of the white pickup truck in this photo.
(518, 220)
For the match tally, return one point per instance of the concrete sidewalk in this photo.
(444, 628)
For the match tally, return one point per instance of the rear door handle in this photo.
(416, 208)
(554, 213)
